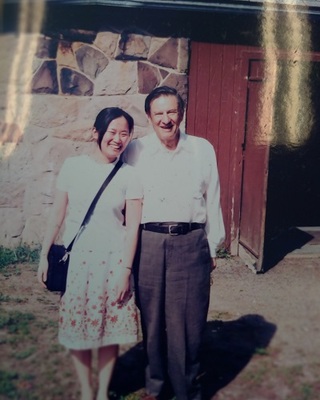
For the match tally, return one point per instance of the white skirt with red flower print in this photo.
(90, 317)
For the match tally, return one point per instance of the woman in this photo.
(97, 311)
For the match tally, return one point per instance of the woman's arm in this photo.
(56, 219)
(133, 220)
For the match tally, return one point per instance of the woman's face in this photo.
(115, 139)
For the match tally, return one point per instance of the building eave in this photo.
(249, 6)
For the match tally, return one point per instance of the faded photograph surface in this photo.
(249, 75)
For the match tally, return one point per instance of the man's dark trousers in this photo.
(173, 291)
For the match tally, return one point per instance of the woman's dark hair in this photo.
(163, 91)
(106, 116)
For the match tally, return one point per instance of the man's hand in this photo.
(213, 263)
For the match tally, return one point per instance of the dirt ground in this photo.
(267, 339)
(262, 340)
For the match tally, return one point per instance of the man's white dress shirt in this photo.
(180, 185)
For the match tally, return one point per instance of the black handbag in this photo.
(58, 262)
(58, 255)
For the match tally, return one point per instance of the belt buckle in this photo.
(170, 230)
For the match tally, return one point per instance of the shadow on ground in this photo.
(284, 243)
(227, 348)
(128, 376)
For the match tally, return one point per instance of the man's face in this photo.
(165, 118)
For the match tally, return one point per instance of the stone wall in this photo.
(50, 92)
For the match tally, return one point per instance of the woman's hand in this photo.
(42, 270)
(123, 284)
(56, 219)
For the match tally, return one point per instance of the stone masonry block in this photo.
(65, 55)
(51, 112)
(45, 79)
(183, 60)
(15, 170)
(178, 81)
(164, 52)
(75, 83)
(134, 105)
(120, 77)
(107, 42)
(34, 230)
(46, 48)
(12, 225)
(78, 131)
(148, 77)
(50, 156)
(11, 194)
(164, 73)
(36, 64)
(34, 134)
(133, 46)
(10, 133)
(91, 61)
(39, 194)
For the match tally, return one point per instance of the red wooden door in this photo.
(255, 170)
(213, 112)
(223, 106)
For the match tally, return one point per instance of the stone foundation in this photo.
(50, 93)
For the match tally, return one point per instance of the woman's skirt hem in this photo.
(87, 345)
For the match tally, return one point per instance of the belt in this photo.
(172, 228)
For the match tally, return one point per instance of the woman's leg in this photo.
(107, 357)
(82, 361)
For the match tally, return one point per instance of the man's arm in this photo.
(214, 226)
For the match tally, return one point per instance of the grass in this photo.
(4, 298)
(16, 322)
(16, 386)
(20, 254)
(8, 383)
(22, 355)
(30, 357)
(17, 326)
(261, 351)
(223, 253)
(306, 392)
(9, 299)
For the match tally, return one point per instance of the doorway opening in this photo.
(293, 191)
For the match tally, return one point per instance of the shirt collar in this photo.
(183, 144)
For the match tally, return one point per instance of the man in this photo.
(182, 226)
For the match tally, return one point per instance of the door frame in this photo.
(250, 59)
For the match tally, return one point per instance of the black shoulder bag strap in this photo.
(95, 200)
